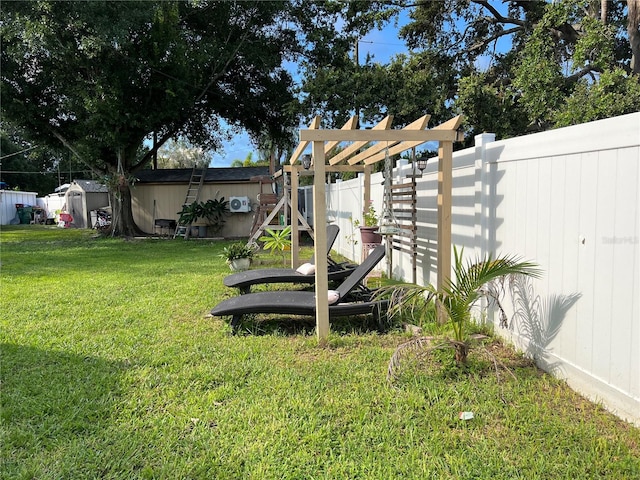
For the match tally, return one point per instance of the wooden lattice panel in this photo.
(403, 201)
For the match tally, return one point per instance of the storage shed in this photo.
(84, 196)
(8, 201)
(160, 194)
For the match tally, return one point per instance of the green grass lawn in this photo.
(110, 369)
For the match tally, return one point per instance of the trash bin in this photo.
(25, 214)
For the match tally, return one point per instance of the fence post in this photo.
(483, 198)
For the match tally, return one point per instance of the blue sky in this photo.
(382, 44)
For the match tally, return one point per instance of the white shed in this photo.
(84, 196)
(8, 201)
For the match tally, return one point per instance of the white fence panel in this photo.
(569, 200)
(344, 205)
(574, 210)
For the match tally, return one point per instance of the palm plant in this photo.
(215, 210)
(277, 240)
(235, 251)
(190, 213)
(455, 300)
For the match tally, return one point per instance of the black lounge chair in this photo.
(244, 280)
(352, 298)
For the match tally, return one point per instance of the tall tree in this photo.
(509, 66)
(180, 153)
(100, 77)
(518, 64)
(336, 83)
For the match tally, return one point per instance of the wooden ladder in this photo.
(193, 194)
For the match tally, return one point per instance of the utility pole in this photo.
(155, 151)
(355, 98)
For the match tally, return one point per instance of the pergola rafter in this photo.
(385, 124)
(374, 150)
(374, 141)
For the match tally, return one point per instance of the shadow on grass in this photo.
(51, 400)
(288, 325)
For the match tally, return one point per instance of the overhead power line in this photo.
(43, 173)
(16, 153)
(382, 43)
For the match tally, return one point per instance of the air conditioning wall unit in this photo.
(239, 205)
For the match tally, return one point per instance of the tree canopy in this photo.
(250, 162)
(29, 167)
(510, 67)
(100, 77)
(180, 153)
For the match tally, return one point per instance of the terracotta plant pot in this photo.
(368, 235)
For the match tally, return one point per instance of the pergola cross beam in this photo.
(315, 123)
(351, 124)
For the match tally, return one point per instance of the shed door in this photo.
(76, 208)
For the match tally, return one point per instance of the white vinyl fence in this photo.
(567, 199)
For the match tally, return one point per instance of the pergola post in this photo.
(294, 217)
(367, 188)
(320, 244)
(445, 175)
(404, 139)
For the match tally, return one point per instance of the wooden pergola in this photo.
(365, 148)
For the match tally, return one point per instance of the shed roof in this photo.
(89, 186)
(213, 175)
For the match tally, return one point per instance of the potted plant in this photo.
(370, 227)
(215, 210)
(189, 215)
(277, 240)
(238, 256)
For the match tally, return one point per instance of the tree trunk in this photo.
(122, 222)
(442, 316)
(462, 351)
(633, 28)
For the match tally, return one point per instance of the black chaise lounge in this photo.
(244, 280)
(351, 298)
